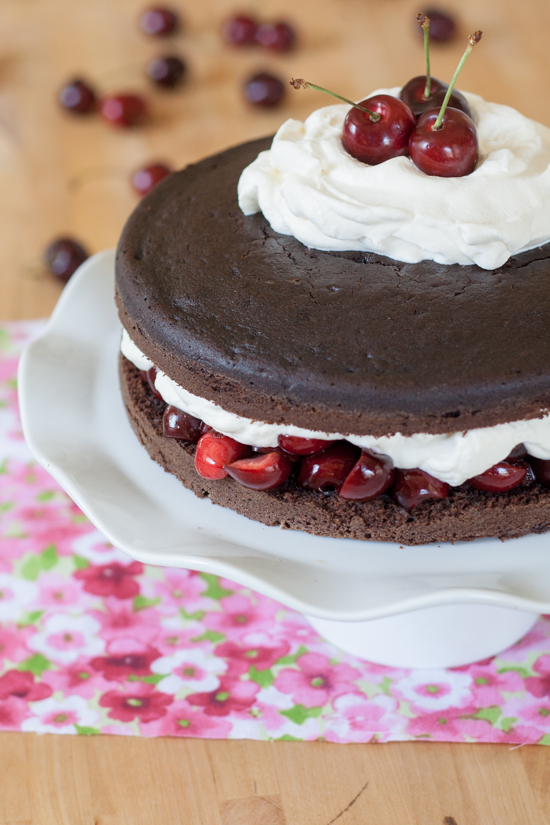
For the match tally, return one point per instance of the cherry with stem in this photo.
(444, 143)
(424, 92)
(472, 41)
(376, 129)
(298, 83)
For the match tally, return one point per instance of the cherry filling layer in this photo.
(331, 467)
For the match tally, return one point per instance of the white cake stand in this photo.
(429, 606)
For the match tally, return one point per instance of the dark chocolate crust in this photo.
(339, 342)
(466, 515)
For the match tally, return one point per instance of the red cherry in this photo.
(387, 138)
(148, 376)
(371, 476)
(77, 97)
(63, 257)
(444, 142)
(148, 176)
(412, 94)
(294, 459)
(159, 21)
(166, 71)
(279, 37)
(327, 470)
(240, 30)
(214, 451)
(456, 101)
(519, 453)
(295, 445)
(500, 478)
(529, 474)
(123, 110)
(181, 425)
(442, 26)
(264, 90)
(448, 152)
(541, 469)
(413, 486)
(261, 472)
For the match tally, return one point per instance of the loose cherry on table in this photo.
(77, 97)
(214, 451)
(159, 21)
(413, 486)
(327, 470)
(278, 37)
(167, 71)
(181, 425)
(123, 110)
(369, 478)
(444, 142)
(500, 478)
(264, 89)
(262, 471)
(240, 30)
(63, 257)
(295, 445)
(442, 25)
(376, 129)
(146, 178)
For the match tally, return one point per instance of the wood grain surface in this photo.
(62, 175)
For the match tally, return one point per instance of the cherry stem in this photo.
(305, 84)
(474, 38)
(424, 21)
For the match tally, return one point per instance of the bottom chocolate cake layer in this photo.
(466, 514)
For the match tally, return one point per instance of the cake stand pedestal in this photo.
(432, 637)
(425, 606)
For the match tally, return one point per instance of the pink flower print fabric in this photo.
(93, 642)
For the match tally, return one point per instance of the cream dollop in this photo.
(308, 186)
(451, 457)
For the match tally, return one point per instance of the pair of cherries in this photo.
(429, 121)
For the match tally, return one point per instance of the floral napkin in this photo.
(92, 642)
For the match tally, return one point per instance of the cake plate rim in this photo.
(67, 378)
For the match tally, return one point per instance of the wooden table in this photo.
(61, 175)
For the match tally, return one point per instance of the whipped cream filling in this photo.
(308, 186)
(451, 457)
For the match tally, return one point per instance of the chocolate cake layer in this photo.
(342, 342)
(465, 515)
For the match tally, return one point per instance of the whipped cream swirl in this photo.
(308, 186)
(451, 457)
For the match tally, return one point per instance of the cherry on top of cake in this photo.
(428, 121)
(425, 92)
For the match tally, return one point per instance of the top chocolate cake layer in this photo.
(347, 342)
